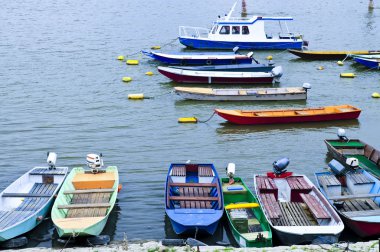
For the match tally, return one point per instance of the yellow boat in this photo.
(328, 55)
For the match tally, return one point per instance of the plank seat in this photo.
(88, 191)
(298, 183)
(329, 180)
(271, 205)
(187, 198)
(95, 205)
(42, 188)
(44, 171)
(265, 183)
(359, 178)
(205, 171)
(179, 171)
(364, 213)
(193, 184)
(357, 196)
(24, 195)
(315, 207)
(13, 217)
(294, 214)
(199, 192)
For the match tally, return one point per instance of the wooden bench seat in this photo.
(328, 180)
(315, 207)
(359, 178)
(205, 171)
(357, 196)
(73, 206)
(364, 213)
(44, 171)
(24, 195)
(265, 183)
(179, 171)
(88, 191)
(298, 183)
(271, 205)
(193, 184)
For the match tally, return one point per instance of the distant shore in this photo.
(154, 246)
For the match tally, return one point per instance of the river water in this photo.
(61, 90)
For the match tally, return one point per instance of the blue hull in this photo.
(368, 63)
(207, 44)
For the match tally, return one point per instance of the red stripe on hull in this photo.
(218, 80)
(363, 228)
(293, 119)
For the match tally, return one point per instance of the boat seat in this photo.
(44, 171)
(254, 235)
(315, 207)
(194, 197)
(179, 171)
(298, 183)
(375, 157)
(359, 178)
(205, 171)
(38, 190)
(244, 92)
(330, 184)
(24, 195)
(267, 185)
(193, 184)
(368, 151)
(95, 205)
(88, 191)
(9, 218)
(271, 205)
(83, 181)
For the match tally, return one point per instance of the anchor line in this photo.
(208, 118)
(67, 242)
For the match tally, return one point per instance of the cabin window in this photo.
(245, 30)
(224, 30)
(214, 29)
(235, 29)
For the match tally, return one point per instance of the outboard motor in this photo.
(306, 86)
(352, 163)
(279, 166)
(95, 162)
(277, 73)
(51, 159)
(236, 49)
(342, 135)
(230, 171)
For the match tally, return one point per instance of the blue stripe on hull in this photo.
(368, 63)
(172, 61)
(207, 44)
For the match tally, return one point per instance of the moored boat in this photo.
(86, 199)
(370, 61)
(246, 219)
(193, 198)
(355, 195)
(327, 55)
(199, 58)
(221, 77)
(246, 33)
(295, 209)
(253, 67)
(328, 113)
(25, 203)
(343, 148)
(251, 94)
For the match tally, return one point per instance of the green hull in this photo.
(257, 223)
(87, 230)
(366, 154)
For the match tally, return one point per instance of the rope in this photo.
(135, 53)
(67, 242)
(208, 118)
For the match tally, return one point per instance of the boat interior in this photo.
(293, 201)
(193, 186)
(28, 194)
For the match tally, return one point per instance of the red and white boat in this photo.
(221, 77)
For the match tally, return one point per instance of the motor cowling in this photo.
(94, 162)
(51, 159)
(279, 166)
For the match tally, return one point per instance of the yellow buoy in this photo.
(269, 57)
(242, 205)
(136, 96)
(126, 79)
(120, 57)
(132, 62)
(340, 63)
(376, 95)
(149, 73)
(320, 68)
(187, 120)
(156, 47)
(347, 75)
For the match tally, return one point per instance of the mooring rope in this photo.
(208, 118)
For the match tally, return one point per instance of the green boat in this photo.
(85, 201)
(368, 156)
(246, 219)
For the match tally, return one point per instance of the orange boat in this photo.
(328, 113)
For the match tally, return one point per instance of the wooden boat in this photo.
(252, 94)
(193, 198)
(370, 61)
(27, 201)
(253, 67)
(327, 55)
(246, 219)
(188, 76)
(85, 201)
(368, 156)
(355, 195)
(295, 209)
(197, 58)
(328, 113)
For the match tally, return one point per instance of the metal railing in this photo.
(193, 32)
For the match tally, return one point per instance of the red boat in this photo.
(220, 77)
(328, 113)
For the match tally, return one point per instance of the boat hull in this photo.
(310, 55)
(215, 44)
(370, 63)
(290, 239)
(232, 68)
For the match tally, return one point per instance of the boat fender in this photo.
(120, 57)
(149, 73)
(306, 86)
(340, 63)
(376, 95)
(347, 75)
(320, 68)
(280, 165)
(187, 120)
(136, 96)
(40, 218)
(119, 187)
(132, 62)
(126, 79)
(269, 57)
(155, 47)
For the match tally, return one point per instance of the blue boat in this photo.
(27, 201)
(209, 58)
(193, 198)
(370, 61)
(355, 195)
(228, 32)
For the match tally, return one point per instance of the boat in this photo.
(296, 210)
(328, 113)
(355, 195)
(200, 58)
(240, 94)
(370, 61)
(246, 219)
(221, 77)
(343, 148)
(86, 199)
(193, 198)
(253, 67)
(327, 55)
(244, 32)
(25, 203)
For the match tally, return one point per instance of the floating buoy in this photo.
(187, 120)
(120, 57)
(132, 62)
(136, 96)
(149, 73)
(126, 79)
(340, 63)
(376, 95)
(269, 57)
(320, 68)
(119, 187)
(347, 75)
(156, 47)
